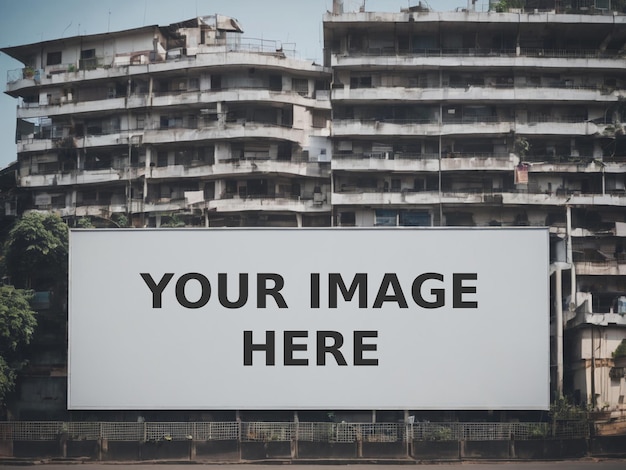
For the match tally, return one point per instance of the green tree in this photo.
(621, 349)
(17, 325)
(36, 252)
(85, 222)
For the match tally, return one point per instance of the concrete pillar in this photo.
(294, 440)
(407, 428)
(559, 330)
(103, 447)
(192, 450)
(63, 445)
(570, 260)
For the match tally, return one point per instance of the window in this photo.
(162, 159)
(58, 200)
(603, 4)
(361, 82)
(319, 119)
(385, 218)
(409, 218)
(276, 83)
(347, 219)
(171, 122)
(209, 190)
(54, 58)
(300, 86)
(461, 219)
(231, 187)
(88, 59)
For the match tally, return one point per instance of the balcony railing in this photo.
(59, 132)
(345, 432)
(484, 52)
(249, 45)
(385, 155)
(561, 192)
(566, 119)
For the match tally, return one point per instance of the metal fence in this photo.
(289, 431)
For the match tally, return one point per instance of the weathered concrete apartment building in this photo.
(416, 118)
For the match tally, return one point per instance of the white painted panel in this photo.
(125, 352)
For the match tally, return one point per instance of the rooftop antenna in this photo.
(109, 23)
(66, 28)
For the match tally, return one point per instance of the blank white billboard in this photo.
(441, 319)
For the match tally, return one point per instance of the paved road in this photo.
(617, 464)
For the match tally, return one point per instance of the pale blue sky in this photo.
(288, 21)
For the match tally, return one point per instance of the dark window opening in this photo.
(361, 82)
(386, 218)
(88, 59)
(284, 151)
(276, 83)
(53, 58)
(162, 159)
(409, 218)
(347, 219)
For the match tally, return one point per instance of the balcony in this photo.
(477, 93)
(399, 198)
(600, 268)
(566, 197)
(30, 110)
(245, 54)
(599, 310)
(51, 139)
(388, 59)
(219, 131)
(574, 164)
(371, 196)
(401, 127)
(486, 125)
(597, 319)
(240, 167)
(411, 162)
(594, 262)
(80, 177)
(165, 205)
(603, 229)
(268, 203)
(240, 94)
